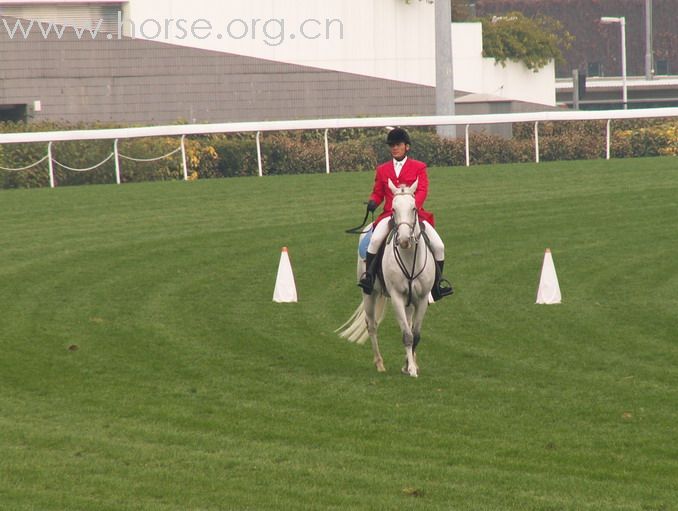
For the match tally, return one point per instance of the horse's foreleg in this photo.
(412, 369)
(415, 341)
(378, 360)
(403, 318)
(370, 302)
(417, 320)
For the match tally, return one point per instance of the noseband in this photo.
(414, 239)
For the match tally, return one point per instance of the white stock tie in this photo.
(398, 168)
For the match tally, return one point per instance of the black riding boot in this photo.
(441, 286)
(367, 279)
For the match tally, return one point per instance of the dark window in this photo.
(13, 112)
(661, 67)
(595, 69)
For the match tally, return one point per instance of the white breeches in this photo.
(381, 231)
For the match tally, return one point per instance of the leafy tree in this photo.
(461, 10)
(533, 41)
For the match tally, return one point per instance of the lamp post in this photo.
(622, 23)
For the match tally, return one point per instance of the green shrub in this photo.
(451, 152)
(426, 146)
(352, 156)
(292, 153)
(236, 156)
(654, 140)
(17, 156)
(487, 149)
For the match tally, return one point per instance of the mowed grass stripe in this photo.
(185, 387)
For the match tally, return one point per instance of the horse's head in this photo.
(404, 213)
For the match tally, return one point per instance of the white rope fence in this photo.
(88, 169)
(115, 154)
(324, 124)
(148, 160)
(182, 148)
(27, 167)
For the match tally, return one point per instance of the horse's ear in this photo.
(413, 188)
(392, 187)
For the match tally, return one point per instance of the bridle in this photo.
(396, 226)
(414, 240)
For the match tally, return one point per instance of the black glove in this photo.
(371, 206)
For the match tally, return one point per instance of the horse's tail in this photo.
(355, 329)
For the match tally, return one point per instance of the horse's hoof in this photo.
(380, 367)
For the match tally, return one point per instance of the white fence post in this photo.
(51, 165)
(261, 170)
(536, 141)
(466, 145)
(117, 161)
(607, 140)
(327, 153)
(183, 157)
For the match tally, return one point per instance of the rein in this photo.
(409, 274)
(359, 229)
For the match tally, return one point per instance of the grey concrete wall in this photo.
(132, 81)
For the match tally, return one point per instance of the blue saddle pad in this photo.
(364, 243)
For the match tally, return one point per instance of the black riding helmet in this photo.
(398, 135)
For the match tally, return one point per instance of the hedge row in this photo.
(230, 155)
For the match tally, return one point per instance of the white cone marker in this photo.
(549, 290)
(285, 289)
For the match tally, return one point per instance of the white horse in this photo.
(408, 268)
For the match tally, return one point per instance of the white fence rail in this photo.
(183, 131)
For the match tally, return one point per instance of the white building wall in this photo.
(517, 82)
(480, 75)
(388, 39)
(381, 38)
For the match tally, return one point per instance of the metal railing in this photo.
(186, 130)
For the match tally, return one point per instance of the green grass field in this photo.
(145, 367)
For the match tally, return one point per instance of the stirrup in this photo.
(442, 289)
(366, 283)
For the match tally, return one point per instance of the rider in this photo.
(402, 170)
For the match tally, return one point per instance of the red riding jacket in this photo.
(411, 171)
